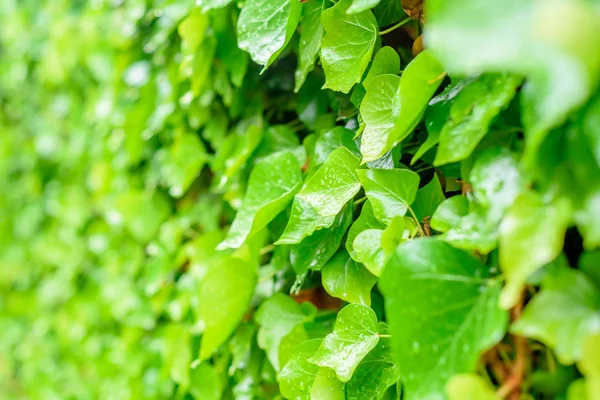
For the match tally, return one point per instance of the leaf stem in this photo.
(412, 213)
(267, 249)
(393, 28)
(384, 336)
(359, 201)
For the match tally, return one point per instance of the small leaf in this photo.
(386, 61)
(443, 313)
(347, 280)
(271, 186)
(347, 46)
(327, 387)
(355, 334)
(222, 301)
(361, 5)
(369, 250)
(332, 140)
(333, 185)
(205, 382)
(310, 41)
(365, 221)
(428, 198)
(562, 314)
(469, 387)
(264, 28)
(531, 235)
(277, 316)
(449, 213)
(298, 374)
(391, 191)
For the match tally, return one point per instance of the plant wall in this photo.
(267, 199)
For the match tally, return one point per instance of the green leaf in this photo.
(419, 81)
(264, 28)
(298, 374)
(469, 387)
(271, 186)
(177, 354)
(327, 387)
(443, 313)
(355, 334)
(310, 41)
(361, 5)
(365, 221)
(590, 365)
(523, 38)
(386, 61)
(205, 382)
(332, 140)
(531, 235)
(303, 222)
(369, 250)
(391, 191)
(333, 185)
(471, 114)
(428, 198)
(277, 316)
(210, 4)
(347, 280)
(449, 213)
(315, 250)
(347, 45)
(223, 299)
(377, 110)
(562, 314)
(184, 161)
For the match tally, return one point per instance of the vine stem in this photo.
(393, 28)
(384, 336)
(359, 201)
(267, 249)
(412, 213)
(512, 386)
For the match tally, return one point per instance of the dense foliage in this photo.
(305, 200)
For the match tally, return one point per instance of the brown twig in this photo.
(511, 388)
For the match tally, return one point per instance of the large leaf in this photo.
(347, 45)
(390, 191)
(469, 387)
(277, 316)
(264, 28)
(443, 313)
(522, 37)
(223, 300)
(531, 235)
(471, 114)
(310, 41)
(562, 314)
(272, 184)
(355, 334)
(369, 250)
(377, 110)
(333, 185)
(346, 279)
(303, 221)
(386, 61)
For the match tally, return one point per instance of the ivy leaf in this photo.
(345, 279)
(210, 4)
(590, 365)
(334, 184)
(277, 316)
(310, 41)
(271, 186)
(562, 314)
(391, 191)
(347, 45)
(452, 317)
(205, 382)
(369, 250)
(377, 111)
(531, 235)
(327, 387)
(449, 213)
(264, 28)
(223, 299)
(177, 353)
(469, 387)
(428, 198)
(374, 375)
(386, 61)
(365, 221)
(471, 114)
(184, 161)
(332, 140)
(315, 250)
(355, 334)
(298, 374)
(562, 69)
(303, 222)
(361, 5)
